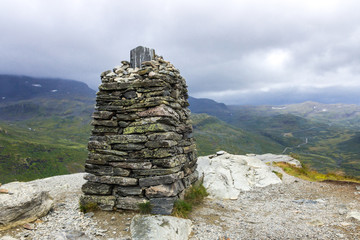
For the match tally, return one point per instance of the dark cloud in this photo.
(230, 51)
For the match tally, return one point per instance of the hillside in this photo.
(326, 140)
(42, 134)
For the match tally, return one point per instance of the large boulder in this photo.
(226, 175)
(22, 204)
(27, 201)
(159, 227)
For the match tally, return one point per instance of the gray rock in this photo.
(96, 188)
(126, 191)
(129, 203)
(159, 227)
(139, 55)
(25, 204)
(163, 206)
(157, 180)
(165, 190)
(106, 203)
(130, 94)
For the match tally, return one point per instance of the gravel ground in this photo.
(296, 209)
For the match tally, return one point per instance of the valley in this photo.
(43, 134)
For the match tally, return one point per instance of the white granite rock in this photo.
(226, 175)
(159, 227)
(269, 157)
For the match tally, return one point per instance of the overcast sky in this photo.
(236, 52)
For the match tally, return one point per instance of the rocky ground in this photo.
(295, 209)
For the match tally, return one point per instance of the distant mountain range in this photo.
(44, 129)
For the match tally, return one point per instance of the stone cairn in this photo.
(141, 148)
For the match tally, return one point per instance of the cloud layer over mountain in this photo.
(251, 52)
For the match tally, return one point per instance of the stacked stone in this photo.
(141, 148)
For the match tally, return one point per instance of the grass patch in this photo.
(88, 207)
(193, 197)
(280, 175)
(145, 207)
(182, 209)
(306, 173)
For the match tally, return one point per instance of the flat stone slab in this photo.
(226, 175)
(159, 227)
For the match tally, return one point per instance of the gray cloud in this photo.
(227, 51)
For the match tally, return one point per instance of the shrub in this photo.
(193, 196)
(181, 208)
(145, 207)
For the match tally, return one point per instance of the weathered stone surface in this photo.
(164, 190)
(156, 127)
(161, 144)
(164, 136)
(225, 176)
(24, 204)
(105, 203)
(102, 129)
(97, 188)
(122, 181)
(132, 165)
(159, 228)
(101, 159)
(128, 147)
(269, 158)
(170, 162)
(129, 203)
(159, 111)
(162, 206)
(120, 172)
(99, 169)
(97, 145)
(104, 115)
(157, 180)
(190, 179)
(106, 123)
(130, 94)
(141, 54)
(112, 152)
(126, 117)
(157, 153)
(127, 191)
(126, 139)
(157, 171)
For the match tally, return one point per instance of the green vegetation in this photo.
(88, 207)
(309, 174)
(212, 134)
(193, 197)
(41, 148)
(280, 175)
(145, 208)
(181, 209)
